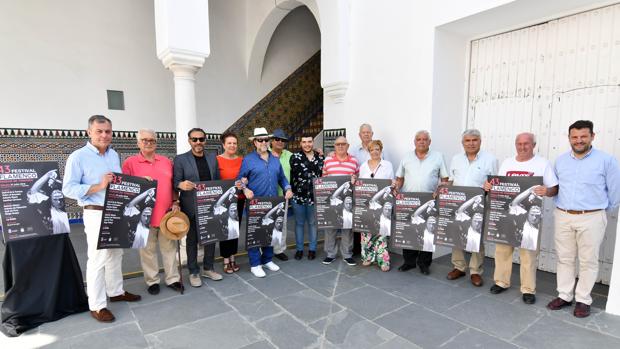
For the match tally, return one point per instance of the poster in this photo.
(333, 199)
(514, 212)
(415, 221)
(373, 206)
(217, 218)
(266, 221)
(460, 217)
(31, 200)
(127, 210)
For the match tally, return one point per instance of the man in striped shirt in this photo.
(340, 164)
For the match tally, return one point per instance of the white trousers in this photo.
(103, 267)
(578, 236)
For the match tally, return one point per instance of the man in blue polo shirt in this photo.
(589, 184)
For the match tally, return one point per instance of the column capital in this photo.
(337, 90)
(175, 57)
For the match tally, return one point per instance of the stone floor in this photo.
(308, 304)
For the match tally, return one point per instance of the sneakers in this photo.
(271, 266)
(258, 271)
(328, 260)
(212, 274)
(350, 261)
(194, 280)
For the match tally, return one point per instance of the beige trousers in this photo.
(503, 267)
(475, 262)
(578, 236)
(148, 258)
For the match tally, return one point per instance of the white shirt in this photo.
(233, 228)
(385, 226)
(142, 235)
(276, 237)
(347, 219)
(384, 170)
(60, 221)
(473, 240)
(429, 238)
(472, 173)
(536, 166)
(530, 237)
(422, 175)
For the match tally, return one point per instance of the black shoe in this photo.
(496, 289)
(350, 261)
(328, 260)
(406, 267)
(281, 256)
(529, 298)
(311, 255)
(176, 286)
(424, 270)
(153, 289)
(299, 255)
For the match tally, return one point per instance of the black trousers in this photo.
(421, 258)
(191, 247)
(357, 243)
(231, 247)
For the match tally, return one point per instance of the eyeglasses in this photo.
(148, 141)
(280, 140)
(262, 140)
(341, 144)
(197, 139)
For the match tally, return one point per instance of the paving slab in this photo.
(284, 332)
(122, 336)
(332, 283)
(308, 305)
(472, 338)
(276, 285)
(253, 306)
(370, 302)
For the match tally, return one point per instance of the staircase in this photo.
(295, 105)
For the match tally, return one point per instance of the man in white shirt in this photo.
(474, 233)
(429, 234)
(142, 229)
(470, 168)
(529, 237)
(385, 222)
(276, 234)
(347, 213)
(525, 163)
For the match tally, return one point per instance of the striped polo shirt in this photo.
(334, 167)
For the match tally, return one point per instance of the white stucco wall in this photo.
(60, 57)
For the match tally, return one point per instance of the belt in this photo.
(93, 207)
(578, 211)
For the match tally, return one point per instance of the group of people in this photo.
(585, 183)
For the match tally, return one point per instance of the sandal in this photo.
(366, 263)
(228, 268)
(385, 268)
(234, 266)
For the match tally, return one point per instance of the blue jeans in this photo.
(256, 258)
(305, 213)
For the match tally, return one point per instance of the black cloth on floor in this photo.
(42, 283)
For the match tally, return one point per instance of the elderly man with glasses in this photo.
(194, 166)
(278, 142)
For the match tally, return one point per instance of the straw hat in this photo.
(260, 132)
(174, 225)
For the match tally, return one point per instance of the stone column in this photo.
(184, 102)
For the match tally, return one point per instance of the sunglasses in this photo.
(262, 140)
(280, 139)
(197, 139)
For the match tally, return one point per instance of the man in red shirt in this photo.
(153, 166)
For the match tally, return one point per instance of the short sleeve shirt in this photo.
(422, 175)
(472, 173)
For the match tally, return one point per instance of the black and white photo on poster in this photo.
(460, 217)
(373, 206)
(266, 221)
(127, 211)
(415, 221)
(333, 199)
(31, 200)
(217, 218)
(514, 211)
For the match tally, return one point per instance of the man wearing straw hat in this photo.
(147, 163)
(264, 173)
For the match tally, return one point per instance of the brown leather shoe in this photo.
(581, 310)
(127, 297)
(558, 304)
(476, 280)
(455, 274)
(103, 315)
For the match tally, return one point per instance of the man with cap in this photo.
(264, 174)
(278, 142)
(87, 174)
(147, 163)
(196, 165)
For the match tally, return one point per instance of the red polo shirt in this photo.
(161, 170)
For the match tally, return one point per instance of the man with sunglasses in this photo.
(195, 166)
(278, 142)
(264, 174)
